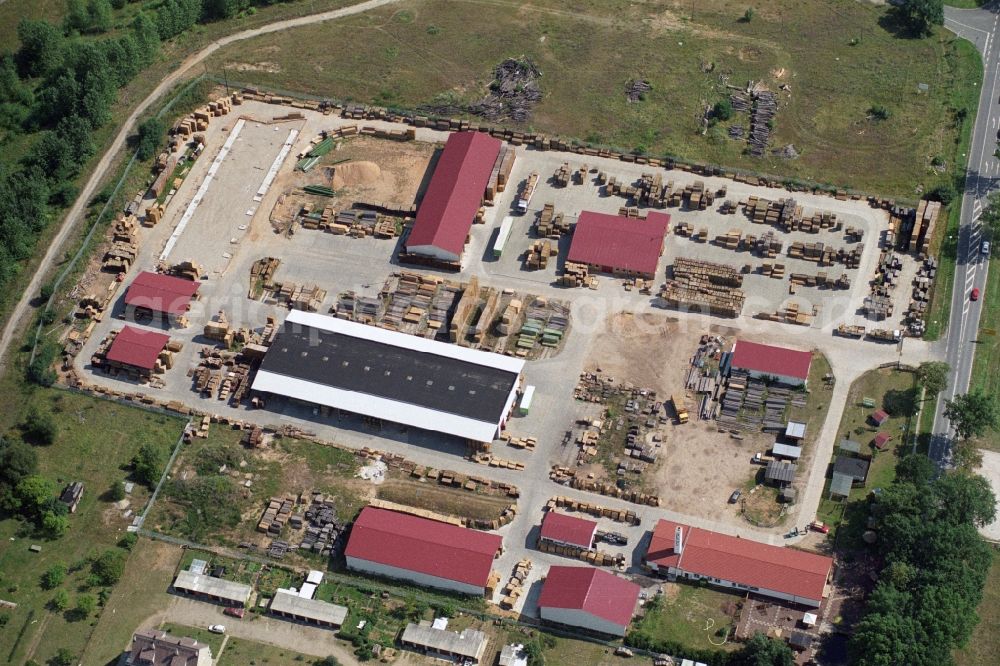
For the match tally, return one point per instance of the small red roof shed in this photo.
(161, 293)
(561, 528)
(454, 194)
(879, 416)
(591, 590)
(136, 347)
(881, 440)
(422, 545)
(616, 243)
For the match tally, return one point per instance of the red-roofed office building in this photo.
(155, 294)
(749, 566)
(787, 366)
(623, 246)
(588, 598)
(425, 552)
(453, 197)
(136, 350)
(558, 528)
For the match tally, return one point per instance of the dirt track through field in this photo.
(76, 212)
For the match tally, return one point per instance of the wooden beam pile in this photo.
(561, 176)
(704, 286)
(551, 224)
(538, 254)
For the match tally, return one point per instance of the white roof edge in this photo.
(376, 407)
(406, 341)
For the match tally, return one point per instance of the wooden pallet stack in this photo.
(276, 515)
(551, 224)
(561, 176)
(538, 254)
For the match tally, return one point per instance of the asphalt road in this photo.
(22, 312)
(979, 26)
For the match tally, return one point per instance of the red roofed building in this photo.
(158, 294)
(588, 598)
(787, 366)
(623, 246)
(453, 197)
(749, 566)
(426, 552)
(136, 349)
(561, 529)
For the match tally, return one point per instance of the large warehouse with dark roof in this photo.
(390, 376)
(453, 197)
(426, 552)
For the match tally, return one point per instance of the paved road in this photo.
(979, 26)
(21, 311)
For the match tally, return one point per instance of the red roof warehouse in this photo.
(453, 196)
(563, 529)
(619, 245)
(774, 571)
(137, 348)
(164, 294)
(786, 365)
(427, 552)
(588, 598)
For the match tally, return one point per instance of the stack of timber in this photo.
(262, 276)
(551, 224)
(577, 275)
(561, 176)
(820, 280)
(568, 477)
(925, 219)
(790, 314)
(537, 256)
(619, 515)
(500, 175)
(704, 286)
(824, 255)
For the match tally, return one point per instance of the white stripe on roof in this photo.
(374, 406)
(405, 341)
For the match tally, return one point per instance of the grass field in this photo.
(140, 594)
(95, 443)
(834, 56)
(895, 392)
(684, 613)
(239, 652)
(210, 506)
(984, 375)
(984, 645)
(441, 499)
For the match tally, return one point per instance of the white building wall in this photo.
(743, 588)
(578, 618)
(432, 251)
(784, 379)
(422, 579)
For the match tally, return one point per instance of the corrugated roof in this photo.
(617, 242)
(568, 529)
(161, 293)
(136, 347)
(771, 360)
(780, 470)
(841, 484)
(455, 192)
(286, 601)
(212, 586)
(591, 590)
(471, 643)
(426, 546)
(786, 450)
(750, 563)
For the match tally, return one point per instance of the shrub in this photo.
(53, 576)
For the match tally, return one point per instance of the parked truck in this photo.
(885, 335)
(847, 331)
(680, 408)
(526, 191)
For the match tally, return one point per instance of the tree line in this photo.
(933, 566)
(57, 89)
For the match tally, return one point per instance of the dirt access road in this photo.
(75, 214)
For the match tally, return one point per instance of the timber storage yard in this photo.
(424, 290)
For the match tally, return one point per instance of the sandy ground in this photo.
(991, 470)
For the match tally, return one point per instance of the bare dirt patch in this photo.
(629, 341)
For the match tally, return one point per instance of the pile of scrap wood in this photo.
(513, 92)
(636, 89)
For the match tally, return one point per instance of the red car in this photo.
(235, 612)
(974, 294)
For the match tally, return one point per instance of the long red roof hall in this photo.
(453, 196)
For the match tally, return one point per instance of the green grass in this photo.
(568, 652)
(446, 51)
(239, 652)
(984, 645)
(987, 350)
(891, 391)
(95, 443)
(685, 611)
(142, 592)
